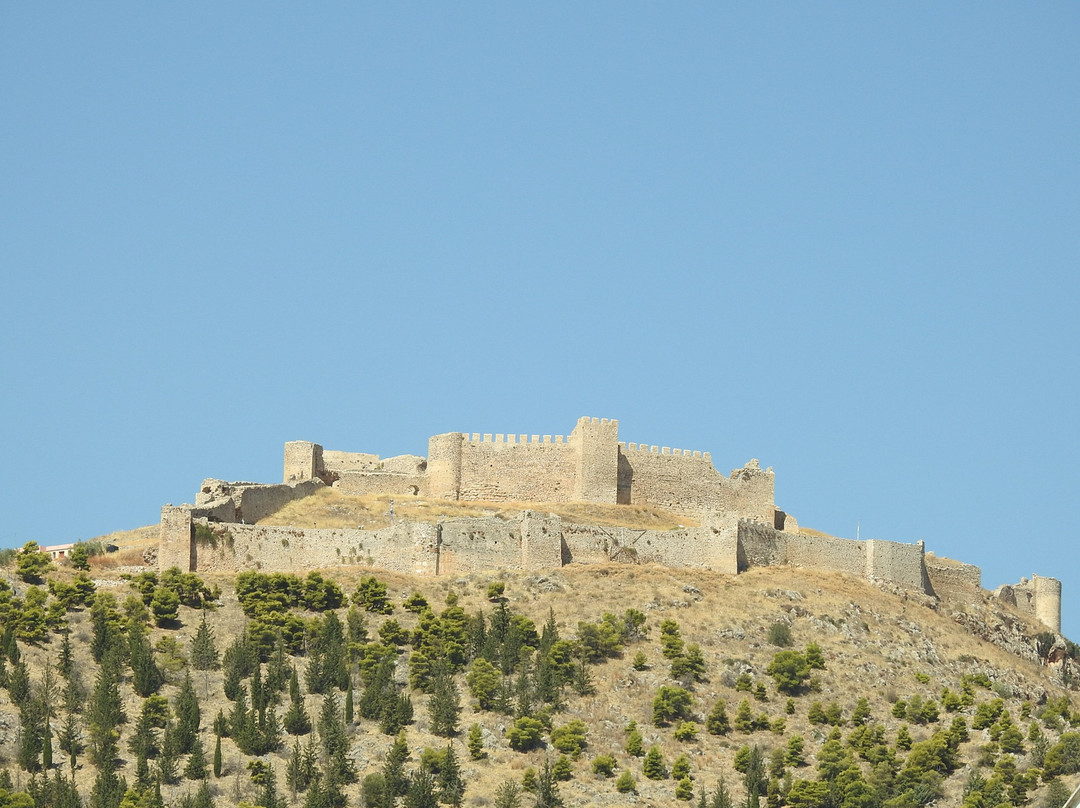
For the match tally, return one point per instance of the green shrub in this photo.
(570, 738)
(686, 731)
(684, 789)
(562, 769)
(780, 634)
(671, 704)
(525, 734)
(604, 765)
(626, 785)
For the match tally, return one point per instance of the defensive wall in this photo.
(588, 465)
(742, 528)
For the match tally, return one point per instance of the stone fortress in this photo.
(740, 525)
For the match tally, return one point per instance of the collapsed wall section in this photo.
(687, 482)
(222, 501)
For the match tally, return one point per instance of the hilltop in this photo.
(898, 650)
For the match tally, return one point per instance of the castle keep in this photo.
(741, 527)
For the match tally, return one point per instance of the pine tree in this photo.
(653, 766)
(420, 792)
(196, 765)
(394, 767)
(717, 722)
(33, 721)
(204, 656)
(188, 718)
(268, 798)
(721, 797)
(65, 663)
(168, 762)
(146, 676)
(278, 671)
(217, 757)
(508, 795)
(18, 684)
(349, 704)
(684, 789)
(444, 703)
(451, 786)
(296, 719)
(104, 713)
(69, 738)
(331, 726)
(476, 743)
(547, 789)
(203, 797)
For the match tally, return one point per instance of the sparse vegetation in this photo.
(293, 649)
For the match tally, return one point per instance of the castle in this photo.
(741, 527)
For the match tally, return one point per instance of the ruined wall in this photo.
(764, 546)
(511, 468)
(401, 548)
(222, 501)
(1039, 597)
(952, 580)
(894, 562)
(259, 501)
(303, 461)
(360, 483)
(175, 545)
(705, 547)
(349, 461)
(897, 563)
(684, 481)
(531, 542)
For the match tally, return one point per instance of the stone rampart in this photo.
(400, 548)
(359, 483)
(705, 547)
(952, 580)
(504, 468)
(900, 564)
(763, 546)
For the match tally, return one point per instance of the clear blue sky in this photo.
(842, 238)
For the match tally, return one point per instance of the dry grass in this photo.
(329, 508)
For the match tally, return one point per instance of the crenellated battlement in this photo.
(514, 439)
(664, 450)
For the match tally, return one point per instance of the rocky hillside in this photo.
(599, 685)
